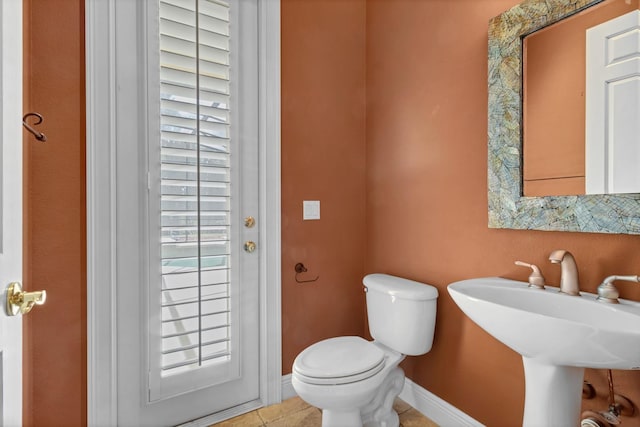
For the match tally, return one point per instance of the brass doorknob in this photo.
(250, 246)
(19, 301)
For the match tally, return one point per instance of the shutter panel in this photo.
(195, 183)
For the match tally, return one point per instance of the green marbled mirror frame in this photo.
(507, 207)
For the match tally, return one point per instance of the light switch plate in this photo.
(310, 209)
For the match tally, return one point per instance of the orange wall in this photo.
(54, 215)
(427, 199)
(323, 158)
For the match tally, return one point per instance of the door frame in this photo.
(101, 18)
(11, 197)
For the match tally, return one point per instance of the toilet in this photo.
(355, 381)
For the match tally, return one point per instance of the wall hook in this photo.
(39, 135)
(300, 268)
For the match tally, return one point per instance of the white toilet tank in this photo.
(401, 313)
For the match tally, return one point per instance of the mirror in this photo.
(508, 208)
(567, 68)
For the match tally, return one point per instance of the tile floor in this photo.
(297, 413)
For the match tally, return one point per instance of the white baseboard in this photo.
(431, 406)
(287, 389)
(428, 404)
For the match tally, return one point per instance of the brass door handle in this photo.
(250, 246)
(19, 301)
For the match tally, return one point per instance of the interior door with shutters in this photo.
(200, 315)
(11, 211)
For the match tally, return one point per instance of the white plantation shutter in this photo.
(195, 184)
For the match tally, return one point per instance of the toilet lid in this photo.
(339, 360)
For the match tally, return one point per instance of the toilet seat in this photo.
(340, 360)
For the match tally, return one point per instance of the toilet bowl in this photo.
(355, 381)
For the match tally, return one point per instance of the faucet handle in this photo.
(607, 292)
(536, 279)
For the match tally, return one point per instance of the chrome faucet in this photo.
(608, 293)
(569, 283)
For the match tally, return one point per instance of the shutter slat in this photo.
(171, 74)
(172, 107)
(192, 301)
(192, 346)
(213, 320)
(188, 94)
(223, 286)
(178, 365)
(213, 66)
(188, 125)
(186, 218)
(221, 314)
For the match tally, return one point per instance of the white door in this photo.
(188, 278)
(151, 184)
(613, 106)
(11, 199)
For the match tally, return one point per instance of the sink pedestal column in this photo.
(553, 394)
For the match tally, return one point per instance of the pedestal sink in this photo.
(558, 337)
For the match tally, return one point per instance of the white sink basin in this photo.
(551, 327)
(557, 335)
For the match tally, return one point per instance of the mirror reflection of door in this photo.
(612, 106)
(554, 92)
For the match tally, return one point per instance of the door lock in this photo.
(19, 301)
(249, 222)
(250, 246)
